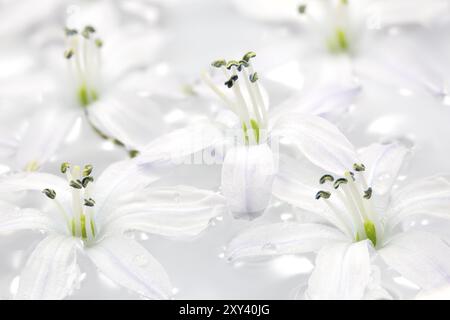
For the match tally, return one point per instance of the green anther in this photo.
(76, 184)
(83, 227)
(370, 230)
(98, 43)
(359, 167)
(86, 181)
(64, 167)
(344, 2)
(368, 193)
(49, 193)
(232, 63)
(70, 32)
(322, 194)
(89, 202)
(244, 63)
(87, 31)
(230, 82)
(339, 181)
(133, 153)
(68, 54)
(255, 127)
(219, 63)
(253, 77)
(248, 56)
(326, 178)
(302, 8)
(87, 170)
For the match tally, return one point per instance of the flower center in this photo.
(353, 207)
(246, 99)
(84, 61)
(79, 220)
(332, 19)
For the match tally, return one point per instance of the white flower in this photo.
(250, 161)
(344, 39)
(360, 218)
(94, 76)
(91, 217)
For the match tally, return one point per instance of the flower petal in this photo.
(180, 211)
(320, 141)
(342, 272)
(51, 270)
(247, 177)
(116, 181)
(33, 181)
(174, 147)
(420, 257)
(13, 218)
(45, 133)
(281, 238)
(129, 264)
(132, 120)
(383, 163)
(429, 196)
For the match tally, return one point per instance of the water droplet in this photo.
(219, 218)
(222, 255)
(286, 216)
(175, 291)
(384, 176)
(141, 260)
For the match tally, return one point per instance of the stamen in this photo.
(302, 8)
(50, 193)
(64, 167)
(322, 194)
(87, 170)
(368, 193)
(359, 167)
(339, 181)
(325, 178)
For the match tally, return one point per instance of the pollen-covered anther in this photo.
(219, 63)
(248, 56)
(339, 181)
(76, 184)
(89, 202)
(359, 167)
(368, 193)
(50, 193)
(322, 194)
(325, 178)
(302, 8)
(87, 170)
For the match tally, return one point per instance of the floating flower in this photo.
(360, 219)
(250, 136)
(91, 216)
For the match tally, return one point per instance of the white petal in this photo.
(320, 141)
(51, 270)
(129, 264)
(13, 218)
(430, 196)
(45, 133)
(342, 272)
(33, 181)
(281, 238)
(128, 118)
(408, 11)
(180, 211)
(117, 180)
(383, 163)
(173, 148)
(271, 10)
(247, 177)
(420, 257)
(297, 183)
